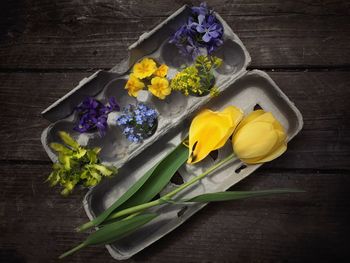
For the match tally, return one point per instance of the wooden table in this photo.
(47, 46)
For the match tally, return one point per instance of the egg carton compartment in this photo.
(116, 149)
(253, 90)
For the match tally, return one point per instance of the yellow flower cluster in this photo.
(146, 73)
(187, 81)
(197, 79)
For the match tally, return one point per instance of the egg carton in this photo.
(116, 149)
(238, 86)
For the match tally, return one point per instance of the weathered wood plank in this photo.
(95, 34)
(293, 227)
(322, 98)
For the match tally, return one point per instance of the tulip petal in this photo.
(279, 127)
(254, 140)
(250, 117)
(210, 130)
(266, 117)
(259, 138)
(236, 116)
(278, 152)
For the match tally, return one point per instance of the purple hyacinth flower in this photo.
(209, 27)
(202, 9)
(175, 38)
(93, 115)
(113, 105)
(189, 27)
(214, 44)
(192, 48)
(201, 30)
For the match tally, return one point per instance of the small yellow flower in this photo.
(134, 85)
(145, 68)
(159, 87)
(259, 138)
(162, 71)
(210, 130)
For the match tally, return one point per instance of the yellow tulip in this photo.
(259, 138)
(210, 130)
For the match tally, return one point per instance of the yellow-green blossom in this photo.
(214, 91)
(197, 79)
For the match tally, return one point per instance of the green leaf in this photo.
(96, 150)
(53, 178)
(68, 140)
(65, 192)
(102, 169)
(235, 195)
(95, 175)
(92, 156)
(75, 165)
(113, 232)
(60, 148)
(56, 166)
(84, 174)
(113, 169)
(216, 61)
(159, 178)
(65, 160)
(80, 153)
(133, 189)
(160, 172)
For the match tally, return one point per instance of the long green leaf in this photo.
(159, 178)
(60, 148)
(68, 140)
(113, 232)
(158, 172)
(235, 195)
(132, 190)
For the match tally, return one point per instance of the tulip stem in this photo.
(165, 198)
(199, 177)
(162, 200)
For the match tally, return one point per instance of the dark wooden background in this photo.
(47, 46)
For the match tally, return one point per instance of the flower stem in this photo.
(199, 177)
(162, 200)
(73, 250)
(168, 196)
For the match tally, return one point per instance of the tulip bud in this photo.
(259, 138)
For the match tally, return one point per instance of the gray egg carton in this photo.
(239, 87)
(116, 149)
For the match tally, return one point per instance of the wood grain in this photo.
(326, 128)
(96, 34)
(264, 229)
(48, 46)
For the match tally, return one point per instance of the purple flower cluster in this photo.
(138, 122)
(202, 30)
(93, 115)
